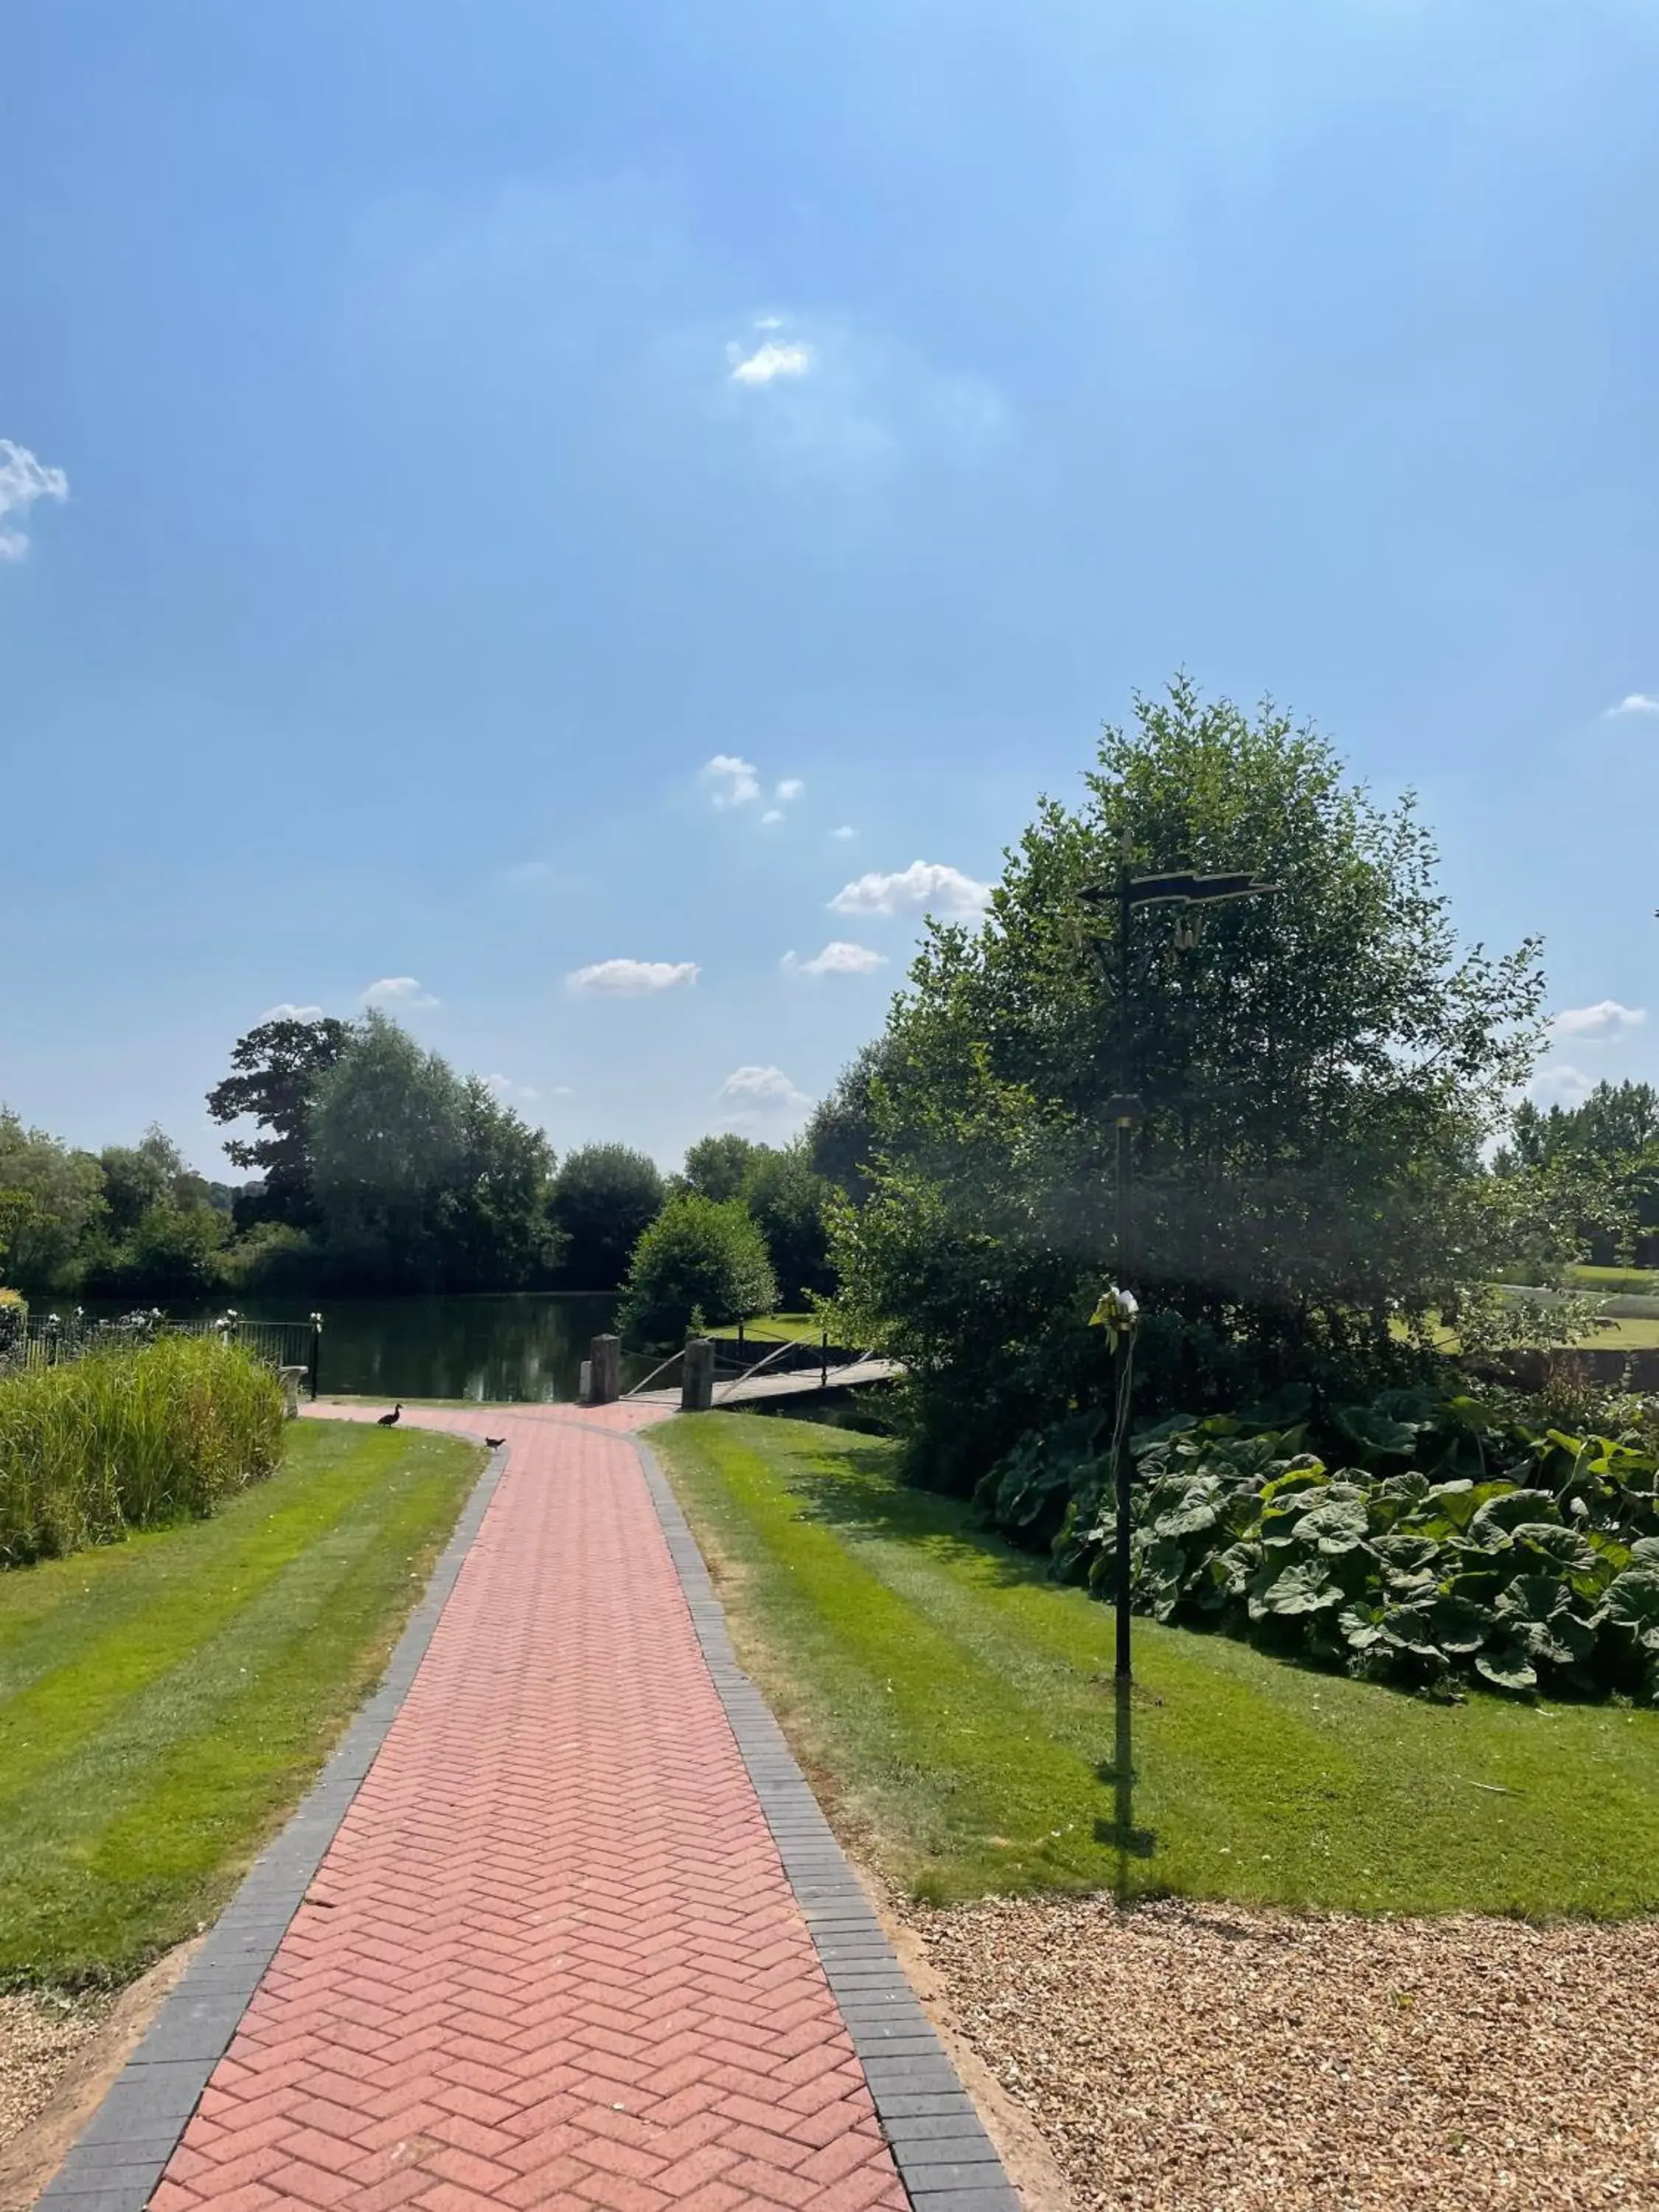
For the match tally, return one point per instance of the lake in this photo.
(526, 1345)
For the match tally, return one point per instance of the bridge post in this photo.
(697, 1377)
(606, 1362)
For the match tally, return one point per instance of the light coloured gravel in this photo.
(39, 2039)
(1207, 2058)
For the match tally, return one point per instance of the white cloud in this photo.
(768, 359)
(772, 814)
(630, 979)
(735, 781)
(1636, 702)
(564, 1090)
(925, 886)
(1559, 1085)
(791, 787)
(765, 1090)
(286, 1012)
(837, 958)
(397, 991)
(508, 1091)
(1596, 1024)
(845, 831)
(23, 479)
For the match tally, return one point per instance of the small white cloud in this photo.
(837, 958)
(397, 991)
(630, 979)
(1559, 1085)
(845, 831)
(772, 359)
(772, 814)
(564, 1090)
(791, 787)
(1635, 702)
(925, 887)
(1596, 1024)
(735, 781)
(23, 479)
(768, 322)
(508, 1091)
(765, 1090)
(286, 1012)
(532, 875)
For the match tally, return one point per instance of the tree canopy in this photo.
(1318, 1076)
(419, 1176)
(604, 1197)
(702, 1262)
(274, 1072)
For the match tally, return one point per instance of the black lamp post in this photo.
(1183, 889)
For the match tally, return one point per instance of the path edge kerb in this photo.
(945, 2159)
(118, 2159)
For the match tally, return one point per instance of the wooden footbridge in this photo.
(780, 1369)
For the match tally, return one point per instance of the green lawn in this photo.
(1640, 1281)
(957, 1710)
(799, 1329)
(165, 1701)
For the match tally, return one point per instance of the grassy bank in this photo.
(130, 1439)
(957, 1709)
(164, 1701)
(798, 1328)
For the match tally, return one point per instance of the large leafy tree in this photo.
(701, 1261)
(718, 1167)
(420, 1177)
(1319, 1076)
(274, 1074)
(55, 1199)
(787, 1196)
(604, 1198)
(1605, 1153)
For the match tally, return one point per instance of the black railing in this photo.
(51, 1340)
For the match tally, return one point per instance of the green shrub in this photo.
(697, 1257)
(1458, 1544)
(130, 1439)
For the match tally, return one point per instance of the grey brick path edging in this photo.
(123, 2151)
(946, 2159)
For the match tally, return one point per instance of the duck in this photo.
(494, 1442)
(389, 1420)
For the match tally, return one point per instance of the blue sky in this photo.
(437, 432)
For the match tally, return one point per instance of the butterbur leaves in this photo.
(1480, 1573)
(1306, 1586)
(1507, 1666)
(1338, 1524)
(1503, 1513)
(1374, 1431)
(1631, 1603)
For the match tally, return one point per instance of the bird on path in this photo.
(494, 1442)
(389, 1420)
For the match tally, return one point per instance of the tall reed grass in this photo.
(129, 1440)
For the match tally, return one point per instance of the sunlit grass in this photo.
(164, 1701)
(957, 1709)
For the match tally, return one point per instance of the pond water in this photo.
(525, 1347)
(521, 1346)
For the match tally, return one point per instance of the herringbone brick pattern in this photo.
(551, 1958)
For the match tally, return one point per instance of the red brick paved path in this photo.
(551, 1957)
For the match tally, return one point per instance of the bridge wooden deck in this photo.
(752, 1390)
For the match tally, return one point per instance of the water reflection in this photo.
(523, 1346)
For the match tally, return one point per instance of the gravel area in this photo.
(1208, 2058)
(39, 2036)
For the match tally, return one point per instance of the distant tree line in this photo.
(370, 1164)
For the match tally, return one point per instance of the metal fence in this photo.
(51, 1340)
